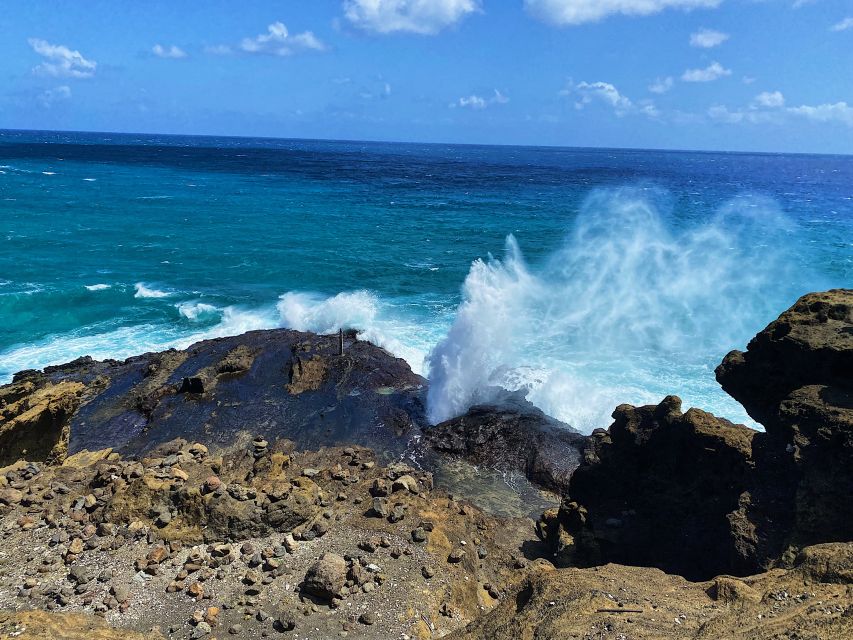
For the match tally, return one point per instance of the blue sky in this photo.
(774, 75)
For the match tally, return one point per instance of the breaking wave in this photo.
(633, 306)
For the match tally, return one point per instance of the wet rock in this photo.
(191, 385)
(512, 436)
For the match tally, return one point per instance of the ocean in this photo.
(586, 278)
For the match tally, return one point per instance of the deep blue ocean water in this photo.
(627, 274)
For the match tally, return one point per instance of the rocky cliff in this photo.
(696, 495)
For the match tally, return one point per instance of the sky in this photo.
(739, 75)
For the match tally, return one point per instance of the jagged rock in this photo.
(657, 489)
(696, 495)
(35, 419)
(796, 379)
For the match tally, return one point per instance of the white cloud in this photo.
(60, 61)
(707, 38)
(426, 17)
(588, 92)
(769, 100)
(838, 112)
(478, 102)
(661, 85)
(278, 41)
(50, 96)
(770, 107)
(475, 102)
(844, 25)
(574, 12)
(712, 72)
(168, 52)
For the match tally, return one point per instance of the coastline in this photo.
(740, 503)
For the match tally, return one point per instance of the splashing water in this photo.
(630, 308)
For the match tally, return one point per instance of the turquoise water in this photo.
(627, 274)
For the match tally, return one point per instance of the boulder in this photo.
(657, 489)
(512, 436)
(326, 577)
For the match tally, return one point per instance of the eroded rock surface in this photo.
(696, 495)
(615, 601)
(656, 489)
(279, 383)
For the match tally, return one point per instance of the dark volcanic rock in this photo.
(696, 495)
(513, 436)
(796, 378)
(656, 490)
(276, 383)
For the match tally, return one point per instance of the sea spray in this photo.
(631, 307)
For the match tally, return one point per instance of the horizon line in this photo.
(432, 143)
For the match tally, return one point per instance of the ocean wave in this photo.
(377, 321)
(630, 308)
(97, 287)
(195, 310)
(144, 291)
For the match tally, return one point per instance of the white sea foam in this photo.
(629, 309)
(195, 310)
(144, 291)
(361, 310)
(48, 173)
(97, 287)
(89, 179)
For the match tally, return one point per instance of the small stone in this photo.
(196, 590)
(158, 554)
(211, 484)
(235, 629)
(310, 473)
(419, 535)
(406, 483)
(201, 630)
(286, 621)
(120, 592)
(379, 508)
(456, 556)
(427, 572)
(367, 618)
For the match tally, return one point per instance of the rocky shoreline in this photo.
(283, 484)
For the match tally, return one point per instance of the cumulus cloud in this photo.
(51, 96)
(769, 107)
(707, 38)
(574, 12)
(661, 85)
(478, 102)
(839, 112)
(60, 61)
(844, 25)
(425, 17)
(586, 93)
(168, 52)
(278, 41)
(712, 72)
(769, 100)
